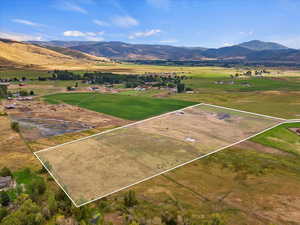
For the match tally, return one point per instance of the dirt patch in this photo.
(38, 119)
(295, 130)
(14, 152)
(260, 148)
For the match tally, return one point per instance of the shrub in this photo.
(130, 199)
(15, 126)
(3, 213)
(5, 172)
(4, 198)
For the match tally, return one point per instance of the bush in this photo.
(24, 93)
(31, 92)
(15, 126)
(4, 198)
(5, 172)
(180, 88)
(130, 199)
(3, 213)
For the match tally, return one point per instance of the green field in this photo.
(281, 138)
(126, 107)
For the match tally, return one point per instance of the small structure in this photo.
(6, 182)
(10, 106)
(189, 139)
(223, 116)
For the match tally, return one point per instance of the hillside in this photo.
(261, 45)
(255, 50)
(249, 51)
(227, 52)
(76, 54)
(20, 54)
(121, 50)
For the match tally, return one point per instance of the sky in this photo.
(203, 23)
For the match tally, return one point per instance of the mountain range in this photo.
(19, 54)
(248, 51)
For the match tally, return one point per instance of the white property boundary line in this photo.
(145, 179)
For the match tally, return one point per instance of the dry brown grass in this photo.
(14, 152)
(39, 57)
(99, 165)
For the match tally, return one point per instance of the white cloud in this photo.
(227, 44)
(246, 33)
(74, 33)
(159, 3)
(144, 34)
(168, 41)
(71, 6)
(27, 22)
(101, 23)
(20, 37)
(91, 36)
(125, 21)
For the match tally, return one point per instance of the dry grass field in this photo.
(101, 164)
(38, 119)
(14, 152)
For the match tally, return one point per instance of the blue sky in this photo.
(208, 23)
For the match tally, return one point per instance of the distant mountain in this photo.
(281, 55)
(248, 51)
(261, 45)
(121, 50)
(65, 44)
(227, 52)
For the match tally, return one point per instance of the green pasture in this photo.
(123, 106)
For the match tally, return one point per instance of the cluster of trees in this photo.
(250, 73)
(39, 202)
(220, 63)
(22, 93)
(130, 80)
(15, 79)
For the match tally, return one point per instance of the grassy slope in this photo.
(126, 107)
(281, 138)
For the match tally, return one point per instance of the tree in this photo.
(130, 199)
(180, 88)
(27, 214)
(15, 126)
(3, 213)
(52, 204)
(5, 172)
(23, 93)
(35, 188)
(4, 198)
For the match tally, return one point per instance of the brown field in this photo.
(38, 119)
(14, 152)
(99, 165)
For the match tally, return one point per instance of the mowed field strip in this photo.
(99, 165)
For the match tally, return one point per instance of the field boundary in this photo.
(283, 121)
